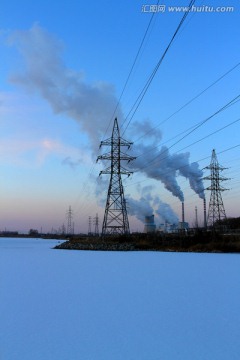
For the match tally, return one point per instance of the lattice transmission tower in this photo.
(96, 221)
(89, 225)
(216, 209)
(115, 217)
(70, 225)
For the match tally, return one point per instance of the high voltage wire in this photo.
(131, 69)
(231, 148)
(197, 126)
(213, 133)
(151, 77)
(189, 102)
(205, 137)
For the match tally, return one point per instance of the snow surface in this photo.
(67, 305)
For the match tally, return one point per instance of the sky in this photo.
(62, 72)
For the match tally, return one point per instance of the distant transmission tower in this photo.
(96, 230)
(216, 209)
(90, 225)
(115, 217)
(69, 221)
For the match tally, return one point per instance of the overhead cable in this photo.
(196, 126)
(189, 102)
(151, 77)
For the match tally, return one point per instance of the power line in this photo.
(131, 69)
(189, 102)
(151, 77)
(195, 142)
(213, 133)
(196, 126)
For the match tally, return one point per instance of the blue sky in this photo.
(62, 68)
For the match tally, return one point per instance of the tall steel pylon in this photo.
(90, 225)
(216, 209)
(96, 231)
(70, 226)
(115, 217)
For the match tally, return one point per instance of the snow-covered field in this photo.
(67, 305)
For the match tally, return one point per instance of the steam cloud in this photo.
(166, 213)
(92, 105)
(149, 205)
(139, 208)
(166, 167)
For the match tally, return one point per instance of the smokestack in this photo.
(196, 217)
(204, 213)
(183, 217)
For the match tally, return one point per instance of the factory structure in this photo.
(151, 227)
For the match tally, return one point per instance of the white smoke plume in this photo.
(167, 167)
(166, 213)
(194, 174)
(164, 168)
(139, 208)
(92, 105)
(145, 130)
(148, 205)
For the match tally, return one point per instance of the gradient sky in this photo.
(62, 68)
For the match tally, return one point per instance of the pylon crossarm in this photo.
(104, 157)
(106, 142)
(123, 142)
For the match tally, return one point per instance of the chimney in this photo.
(204, 213)
(196, 217)
(183, 217)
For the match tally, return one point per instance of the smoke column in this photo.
(91, 105)
(148, 205)
(166, 167)
(139, 208)
(166, 214)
